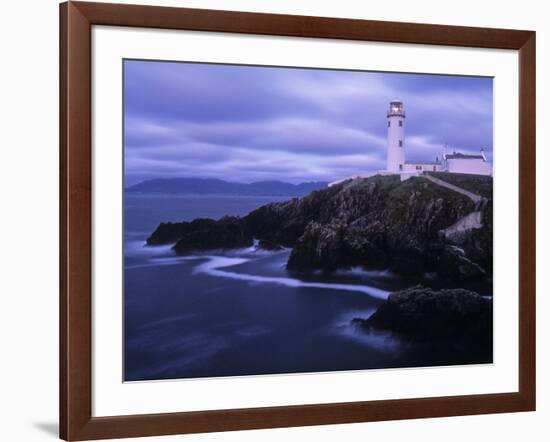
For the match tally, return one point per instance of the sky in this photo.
(251, 123)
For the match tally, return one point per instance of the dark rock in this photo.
(454, 264)
(320, 247)
(335, 245)
(168, 233)
(420, 313)
(364, 244)
(409, 259)
(265, 244)
(207, 234)
(282, 223)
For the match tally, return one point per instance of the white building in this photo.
(461, 163)
(397, 160)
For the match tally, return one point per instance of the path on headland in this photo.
(473, 196)
(472, 220)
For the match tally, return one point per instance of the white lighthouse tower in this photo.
(396, 137)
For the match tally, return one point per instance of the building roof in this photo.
(462, 156)
(431, 163)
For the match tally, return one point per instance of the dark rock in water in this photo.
(320, 247)
(168, 233)
(376, 222)
(329, 247)
(454, 264)
(445, 321)
(364, 244)
(208, 234)
(282, 223)
(409, 259)
(265, 244)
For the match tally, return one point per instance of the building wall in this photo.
(422, 167)
(474, 166)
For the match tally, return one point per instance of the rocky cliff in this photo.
(376, 222)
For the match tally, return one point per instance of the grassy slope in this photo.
(479, 184)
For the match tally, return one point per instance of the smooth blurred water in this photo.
(239, 312)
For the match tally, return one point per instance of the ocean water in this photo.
(239, 312)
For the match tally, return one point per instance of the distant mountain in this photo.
(203, 186)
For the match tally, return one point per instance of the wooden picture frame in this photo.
(76, 21)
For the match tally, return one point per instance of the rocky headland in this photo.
(412, 228)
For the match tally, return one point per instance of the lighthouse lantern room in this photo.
(396, 137)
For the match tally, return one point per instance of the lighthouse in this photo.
(396, 137)
(397, 163)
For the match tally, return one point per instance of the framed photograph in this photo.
(274, 220)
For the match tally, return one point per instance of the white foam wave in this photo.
(358, 271)
(157, 262)
(379, 340)
(138, 248)
(256, 251)
(215, 263)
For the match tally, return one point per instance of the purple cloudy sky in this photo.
(244, 123)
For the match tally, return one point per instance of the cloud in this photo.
(244, 123)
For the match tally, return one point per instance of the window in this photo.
(400, 123)
(418, 167)
(401, 167)
(434, 168)
(389, 123)
(400, 143)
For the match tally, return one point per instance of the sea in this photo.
(239, 312)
